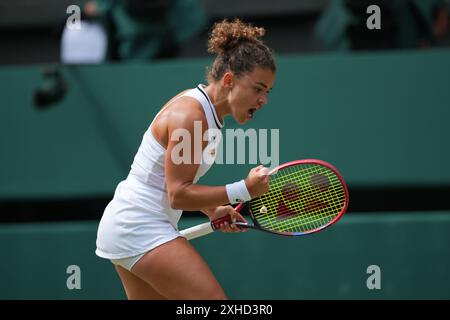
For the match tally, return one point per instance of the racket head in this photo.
(304, 197)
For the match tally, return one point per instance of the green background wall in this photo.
(411, 251)
(382, 119)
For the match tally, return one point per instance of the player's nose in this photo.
(261, 101)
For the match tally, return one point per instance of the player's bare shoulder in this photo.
(179, 112)
(184, 112)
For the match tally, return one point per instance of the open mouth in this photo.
(251, 112)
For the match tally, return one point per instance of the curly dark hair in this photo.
(239, 49)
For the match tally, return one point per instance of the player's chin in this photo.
(245, 118)
(241, 119)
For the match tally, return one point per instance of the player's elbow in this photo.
(174, 200)
(177, 198)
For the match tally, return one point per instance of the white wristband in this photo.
(237, 192)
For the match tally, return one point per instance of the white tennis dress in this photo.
(139, 217)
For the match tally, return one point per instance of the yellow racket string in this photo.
(314, 197)
(317, 213)
(311, 223)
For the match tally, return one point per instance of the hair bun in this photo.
(226, 35)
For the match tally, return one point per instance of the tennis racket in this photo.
(304, 197)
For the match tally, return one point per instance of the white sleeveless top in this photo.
(139, 217)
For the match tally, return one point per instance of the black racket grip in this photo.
(215, 224)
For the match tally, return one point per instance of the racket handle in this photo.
(197, 231)
(215, 224)
(204, 228)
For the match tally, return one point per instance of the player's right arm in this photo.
(183, 193)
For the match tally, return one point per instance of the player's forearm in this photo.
(195, 197)
(209, 212)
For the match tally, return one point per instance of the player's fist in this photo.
(257, 181)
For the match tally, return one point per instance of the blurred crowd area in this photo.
(42, 31)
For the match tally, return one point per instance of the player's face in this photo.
(249, 93)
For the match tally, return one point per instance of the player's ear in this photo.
(228, 79)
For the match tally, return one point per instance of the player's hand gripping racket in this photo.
(305, 196)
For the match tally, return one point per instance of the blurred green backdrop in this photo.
(382, 119)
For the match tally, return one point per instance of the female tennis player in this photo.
(138, 231)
